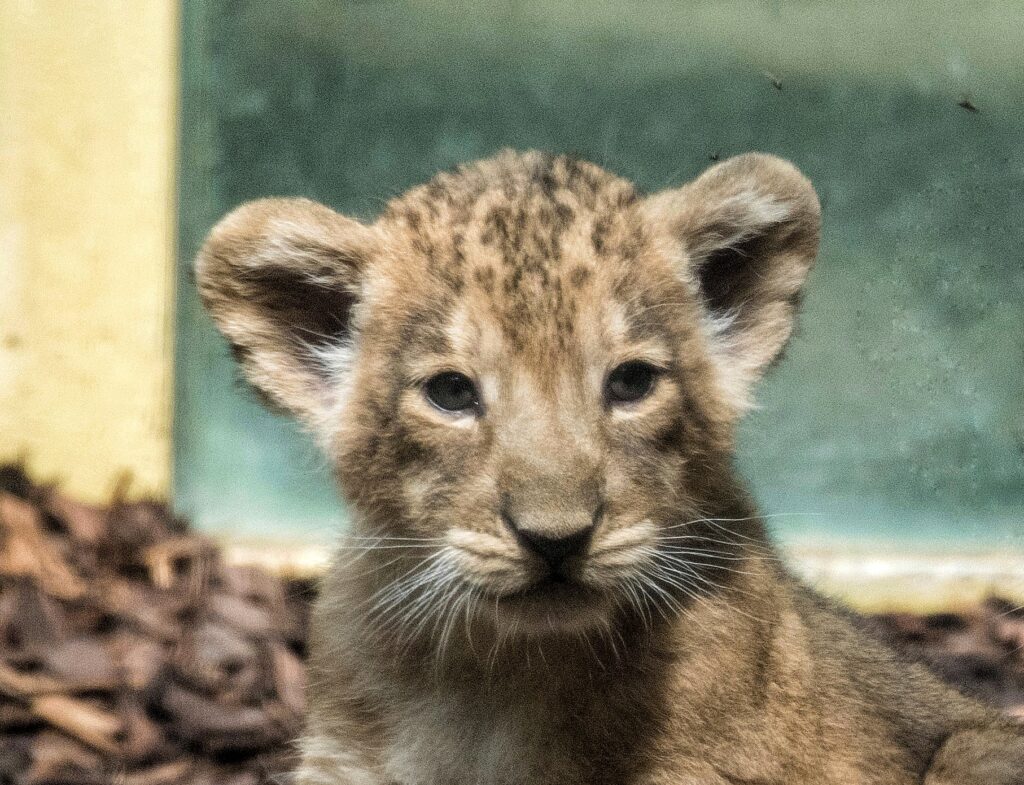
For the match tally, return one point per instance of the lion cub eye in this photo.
(630, 382)
(452, 392)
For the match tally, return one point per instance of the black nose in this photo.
(554, 550)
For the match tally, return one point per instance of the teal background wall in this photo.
(898, 415)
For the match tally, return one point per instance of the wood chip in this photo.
(172, 773)
(93, 726)
(25, 551)
(57, 759)
(83, 665)
(17, 684)
(84, 522)
(289, 678)
(130, 653)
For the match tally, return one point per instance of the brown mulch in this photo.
(131, 653)
(981, 652)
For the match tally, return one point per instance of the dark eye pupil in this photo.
(631, 381)
(452, 392)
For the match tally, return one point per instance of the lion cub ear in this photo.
(745, 235)
(281, 278)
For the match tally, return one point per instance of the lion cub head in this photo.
(526, 373)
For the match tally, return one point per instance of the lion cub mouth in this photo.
(553, 603)
(553, 588)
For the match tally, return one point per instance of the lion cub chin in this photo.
(528, 376)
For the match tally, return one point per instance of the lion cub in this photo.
(528, 378)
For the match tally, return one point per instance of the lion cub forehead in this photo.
(535, 244)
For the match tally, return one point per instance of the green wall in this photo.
(899, 411)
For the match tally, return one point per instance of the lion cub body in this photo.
(528, 376)
(782, 690)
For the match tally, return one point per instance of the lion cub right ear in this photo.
(281, 278)
(745, 235)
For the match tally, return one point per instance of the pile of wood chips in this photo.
(980, 652)
(130, 653)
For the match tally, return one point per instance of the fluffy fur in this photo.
(675, 649)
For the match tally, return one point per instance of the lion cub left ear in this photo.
(744, 235)
(282, 279)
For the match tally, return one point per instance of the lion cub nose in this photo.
(554, 549)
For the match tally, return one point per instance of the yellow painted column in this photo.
(88, 97)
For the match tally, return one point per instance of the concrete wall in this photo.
(88, 95)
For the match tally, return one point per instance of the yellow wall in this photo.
(88, 94)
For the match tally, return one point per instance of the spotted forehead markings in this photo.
(520, 207)
(512, 192)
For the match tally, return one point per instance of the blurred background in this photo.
(889, 446)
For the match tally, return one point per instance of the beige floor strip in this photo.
(868, 579)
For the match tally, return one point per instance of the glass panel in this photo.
(898, 410)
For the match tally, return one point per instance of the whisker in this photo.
(708, 552)
(694, 575)
(394, 539)
(383, 547)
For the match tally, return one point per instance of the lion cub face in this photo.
(526, 374)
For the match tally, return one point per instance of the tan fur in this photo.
(678, 650)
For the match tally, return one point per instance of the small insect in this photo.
(775, 81)
(714, 156)
(968, 104)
